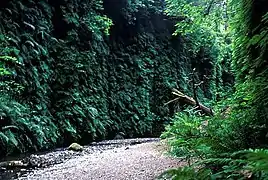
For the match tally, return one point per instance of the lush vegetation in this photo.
(231, 144)
(82, 71)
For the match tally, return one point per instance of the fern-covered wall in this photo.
(250, 64)
(86, 70)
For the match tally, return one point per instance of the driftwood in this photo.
(190, 101)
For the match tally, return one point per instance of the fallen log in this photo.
(190, 101)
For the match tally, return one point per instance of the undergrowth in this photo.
(233, 143)
(216, 148)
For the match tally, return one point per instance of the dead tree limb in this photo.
(171, 101)
(191, 101)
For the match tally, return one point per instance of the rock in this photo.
(12, 164)
(75, 147)
(120, 135)
(33, 160)
(3, 169)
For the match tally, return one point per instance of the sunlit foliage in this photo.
(226, 146)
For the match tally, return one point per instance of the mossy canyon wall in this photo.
(86, 70)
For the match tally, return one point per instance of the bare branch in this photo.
(171, 101)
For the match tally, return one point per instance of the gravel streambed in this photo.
(141, 159)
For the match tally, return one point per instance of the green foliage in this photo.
(89, 17)
(204, 24)
(193, 136)
(186, 173)
(22, 129)
(70, 82)
(202, 28)
(212, 149)
(246, 164)
(8, 62)
(250, 59)
(37, 114)
(227, 137)
(3, 61)
(133, 7)
(185, 136)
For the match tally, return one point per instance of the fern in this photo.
(187, 173)
(71, 82)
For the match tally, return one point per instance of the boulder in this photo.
(120, 135)
(75, 147)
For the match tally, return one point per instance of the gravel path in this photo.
(131, 162)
